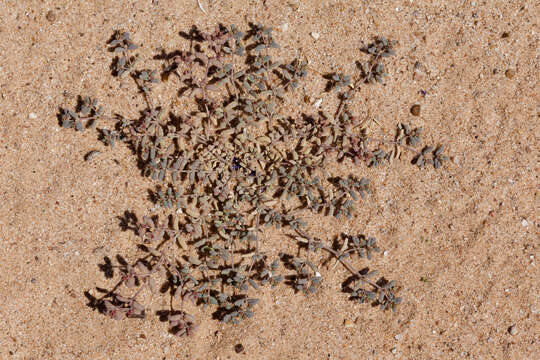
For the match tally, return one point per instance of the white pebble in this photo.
(385, 253)
(317, 103)
(284, 27)
(394, 350)
(316, 35)
(524, 223)
(32, 116)
(513, 330)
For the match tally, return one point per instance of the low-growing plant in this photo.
(236, 163)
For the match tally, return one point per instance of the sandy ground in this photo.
(470, 232)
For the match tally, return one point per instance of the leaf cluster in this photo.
(234, 165)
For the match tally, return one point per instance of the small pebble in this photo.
(505, 34)
(398, 337)
(348, 323)
(512, 330)
(510, 73)
(415, 110)
(284, 27)
(524, 223)
(238, 348)
(50, 16)
(315, 35)
(91, 155)
(317, 103)
(32, 116)
(394, 350)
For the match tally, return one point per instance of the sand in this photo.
(462, 242)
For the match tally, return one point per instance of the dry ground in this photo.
(471, 231)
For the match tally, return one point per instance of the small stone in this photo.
(316, 35)
(512, 330)
(348, 323)
(393, 351)
(317, 103)
(505, 34)
(238, 348)
(510, 73)
(524, 223)
(398, 337)
(32, 116)
(385, 253)
(50, 16)
(91, 155)
(284, 27)
(415, 110)
(418, 75)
